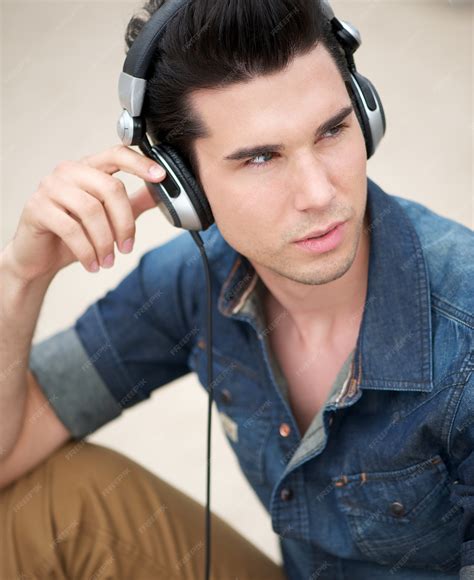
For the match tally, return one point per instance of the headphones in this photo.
(179, 196)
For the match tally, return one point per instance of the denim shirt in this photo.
(382, 482)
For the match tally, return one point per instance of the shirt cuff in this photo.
(72, 385)
(467, 573)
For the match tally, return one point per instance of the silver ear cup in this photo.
(163, 204)
(371, 110)
(369, 105)
(179, 197)
(173, 200)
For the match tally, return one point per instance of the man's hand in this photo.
(78, 212)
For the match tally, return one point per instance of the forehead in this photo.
(311, 87)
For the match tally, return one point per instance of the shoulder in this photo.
(176, 268)
(182, 253)
(448, 250)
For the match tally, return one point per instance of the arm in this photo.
(119, 350)
(41, 433)
(78, 197)
(20, 304)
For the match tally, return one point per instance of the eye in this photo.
(339, 128)
(251, 161)
(334, 132)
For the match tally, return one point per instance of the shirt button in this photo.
(331, 419)
(226, 396)
(285, 429)
(286, 494)
(397, 508)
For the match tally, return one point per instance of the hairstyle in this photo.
(203, 47)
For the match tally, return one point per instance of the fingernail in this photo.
(94, 267)
(108, 261)
(127, 246)
(156, 171)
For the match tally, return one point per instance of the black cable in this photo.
(146, 148)
(197, 238)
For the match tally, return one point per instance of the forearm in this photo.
(20, 305)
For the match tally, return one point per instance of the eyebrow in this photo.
(247, 152)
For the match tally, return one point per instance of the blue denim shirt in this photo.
(383, 480)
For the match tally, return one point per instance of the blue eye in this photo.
(252, 162)
(338, 129)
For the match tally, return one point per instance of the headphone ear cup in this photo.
(189, 184)
(361, 108)
(370, 109)
(379, 103)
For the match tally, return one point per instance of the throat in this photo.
(308, 372)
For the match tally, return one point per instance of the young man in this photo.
(343, 368)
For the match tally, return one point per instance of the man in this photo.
(343, 367)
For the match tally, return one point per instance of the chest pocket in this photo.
(403, 518)
(243, 410)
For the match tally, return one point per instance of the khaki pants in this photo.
(89, 512)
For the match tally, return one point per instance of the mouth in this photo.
(321, 234)
(324, 242)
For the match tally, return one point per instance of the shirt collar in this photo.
(394, 347)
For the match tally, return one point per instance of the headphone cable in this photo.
(197, 238)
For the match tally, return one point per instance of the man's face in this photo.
(261, 204)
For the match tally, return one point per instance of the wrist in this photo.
(14, 277)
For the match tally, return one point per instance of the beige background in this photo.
(60, 66)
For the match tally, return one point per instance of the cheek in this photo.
(351, 158)
(235, 205)
(359, 153)
(235, 202)
(227, 205)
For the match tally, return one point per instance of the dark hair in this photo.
(215, 43)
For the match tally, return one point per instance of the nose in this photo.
(310, 184)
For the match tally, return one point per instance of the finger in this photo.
(109, 190)
(141, 201)
(91, 213)
(53, 218)
(123, 158)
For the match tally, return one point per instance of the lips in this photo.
(320, 233)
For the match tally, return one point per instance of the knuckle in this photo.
(63, 166)
(44, 183)
(35, 198)
(32, 202)
(117, 187)
(92, 207)
(70, 229)
(118, 149)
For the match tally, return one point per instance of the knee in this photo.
(91, 488)
(90, 467)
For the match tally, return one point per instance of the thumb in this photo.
(141, 201)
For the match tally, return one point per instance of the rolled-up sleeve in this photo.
(134, 339)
